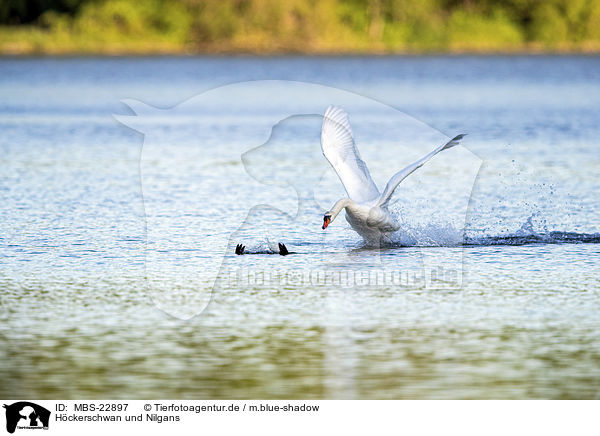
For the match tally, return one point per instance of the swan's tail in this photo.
(454, 141)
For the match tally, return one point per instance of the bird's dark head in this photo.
(326, 220)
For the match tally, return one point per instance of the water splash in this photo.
(534, 230)
(433, 234)
(553, 237)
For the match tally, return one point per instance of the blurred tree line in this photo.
(27, 11)
(129, 26)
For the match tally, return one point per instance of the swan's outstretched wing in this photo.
(403, 174)
(340, 150)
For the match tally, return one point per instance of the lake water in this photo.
(110, 238)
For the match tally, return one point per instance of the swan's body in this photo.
(366, 208)
(370, 221)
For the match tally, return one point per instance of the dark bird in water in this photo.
(241, 249)
(283, 250)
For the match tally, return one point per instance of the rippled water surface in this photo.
(95, 215)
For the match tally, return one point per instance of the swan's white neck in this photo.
(339, 205)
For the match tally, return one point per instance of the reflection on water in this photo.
(76, 320)
(282, 361)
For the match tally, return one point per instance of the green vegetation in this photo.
(297, 26)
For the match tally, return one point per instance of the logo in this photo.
(26, 415)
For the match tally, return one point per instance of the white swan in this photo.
(366, 208)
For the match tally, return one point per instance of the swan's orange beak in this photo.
(326, 221)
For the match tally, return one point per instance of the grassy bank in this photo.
(299, 26)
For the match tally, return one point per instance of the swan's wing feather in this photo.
(404, 173)
(340, 150)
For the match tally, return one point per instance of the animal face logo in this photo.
(26, 415)
(231, 164)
